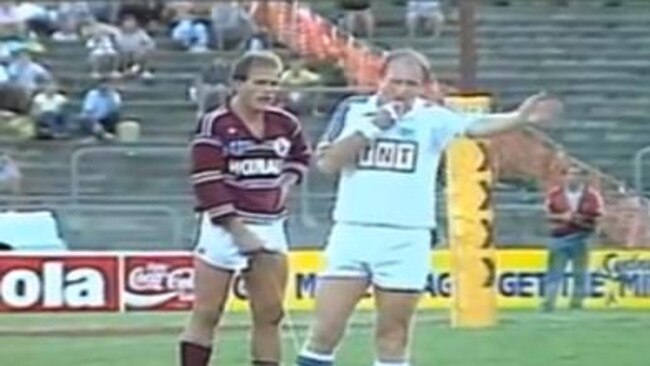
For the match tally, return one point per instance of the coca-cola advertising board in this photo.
(35, 283)
(158, 282)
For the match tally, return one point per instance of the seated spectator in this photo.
(13, 99)
(14, 109)
(103, 55)
(134, 46)
(49, 111)
(358, 13)
(211, 86)
(10, 176)
(101, 111)
(36, 18)
(190, 33)
(12, 25)
(296, 76)
(425, 13)
(27, 73)
(70, 16)
(260, 40)
(230, 23)
(66, 31)
(148, 14)
(105, 11)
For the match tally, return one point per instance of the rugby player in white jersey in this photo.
(386, 149)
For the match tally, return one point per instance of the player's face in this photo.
(403, 81)
(260, 88)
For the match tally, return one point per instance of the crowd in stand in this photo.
(119, 38)
(421, 17)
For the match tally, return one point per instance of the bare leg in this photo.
(266, 282)
(336, 299)
(394, 314)
(211, 292)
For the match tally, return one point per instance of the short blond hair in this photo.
(243, 65)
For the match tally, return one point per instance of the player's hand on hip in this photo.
(540, 108)
(249, 243)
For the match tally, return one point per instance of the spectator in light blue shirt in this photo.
(190, 33)
(101, 111)
(26, 73)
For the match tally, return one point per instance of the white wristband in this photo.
(368, 129)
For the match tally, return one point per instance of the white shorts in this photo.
(215, 246)
(390, 258)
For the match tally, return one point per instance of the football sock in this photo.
(265, 363)
(194, 354)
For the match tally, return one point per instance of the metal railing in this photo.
(75, 159)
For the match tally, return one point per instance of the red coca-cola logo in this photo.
(158, 282)
(42, 283)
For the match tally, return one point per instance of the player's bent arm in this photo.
(332, 157)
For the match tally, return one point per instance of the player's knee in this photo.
(269, 315)
(209, 316)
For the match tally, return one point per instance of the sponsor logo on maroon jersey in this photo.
(255, 167)
(41, 283)
(158, 282)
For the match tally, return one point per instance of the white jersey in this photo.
(394, 179)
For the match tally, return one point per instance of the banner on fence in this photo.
(149, 281)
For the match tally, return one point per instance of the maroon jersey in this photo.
(235, 172)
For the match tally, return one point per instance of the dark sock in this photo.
(265, 363)
(194, 354)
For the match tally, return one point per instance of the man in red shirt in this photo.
(573, 209)
(245, 157)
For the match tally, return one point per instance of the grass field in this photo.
(591, 338)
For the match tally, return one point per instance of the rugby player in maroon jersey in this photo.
(245, 157)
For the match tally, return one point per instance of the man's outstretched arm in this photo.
(537, 109)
